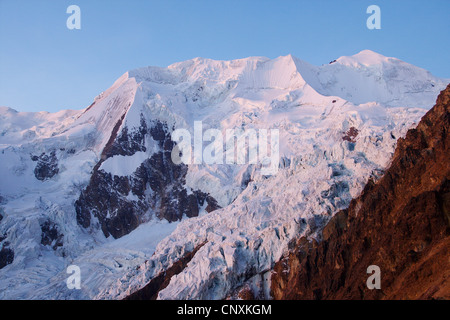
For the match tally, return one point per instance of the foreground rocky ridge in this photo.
(96, 187)
(400, 223)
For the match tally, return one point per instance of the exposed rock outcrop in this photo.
(161, 281)
(351, 135)
(128, 143)
(6, 255)
(156, 187)
(46, 167)
(51, 235)
(401, 223)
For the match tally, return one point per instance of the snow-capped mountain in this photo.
(398, 224)
(97, 188)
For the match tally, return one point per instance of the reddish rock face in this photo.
(150, 290)
(351, 135)
(401, 224)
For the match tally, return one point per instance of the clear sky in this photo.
(46, 66)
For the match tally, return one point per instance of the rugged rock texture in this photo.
(211, 203)
(401, 224)
(156, 187)
(46, 167)
(161, 281)
(255, 288)
(6, 255)
(51, 235)
(351, 135)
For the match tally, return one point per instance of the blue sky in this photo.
(45, 66)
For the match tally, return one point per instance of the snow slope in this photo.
(314, 108)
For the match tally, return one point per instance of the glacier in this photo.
(338, 126)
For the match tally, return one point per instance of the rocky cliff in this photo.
(122, 203)
(401, 223)
(97, 188)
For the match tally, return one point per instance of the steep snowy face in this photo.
(37, 146)
(135, 179)
(77, 181)
(369, 76)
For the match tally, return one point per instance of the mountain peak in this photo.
(389, 218)
(81, 176)
(364, 57)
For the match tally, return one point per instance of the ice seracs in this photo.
(370, 99)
